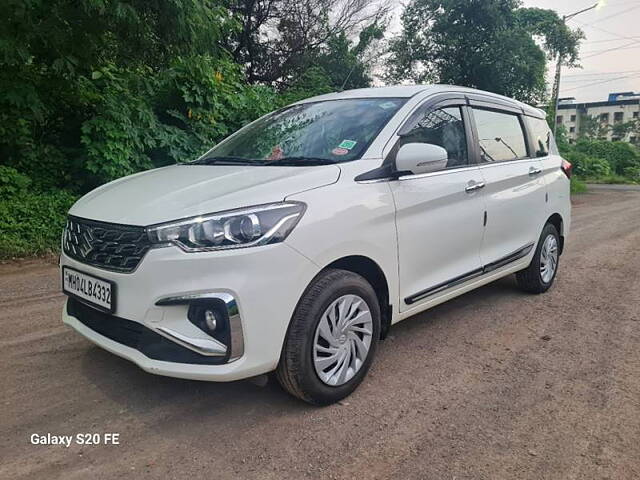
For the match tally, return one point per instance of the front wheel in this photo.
(539, 275)
(332, 338)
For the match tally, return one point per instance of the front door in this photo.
(440, 215)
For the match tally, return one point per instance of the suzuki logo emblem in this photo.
(86, 246)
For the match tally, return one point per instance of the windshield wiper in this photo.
(284, 162)
(226, 161)
(300, 161)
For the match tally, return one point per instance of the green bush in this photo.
(585, 166)
(610, 179)
(31, 222)
(577, 185)
(142, 119)
(95, 90)
(12, 183)
(632, 173)
(619, 155)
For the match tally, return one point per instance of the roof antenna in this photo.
(348, 76)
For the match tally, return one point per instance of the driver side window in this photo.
(443, 127)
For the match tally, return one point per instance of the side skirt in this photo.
(490, 267)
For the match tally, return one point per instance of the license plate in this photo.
(95, 291)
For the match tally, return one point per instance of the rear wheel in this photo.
(541, 272)
(332, 338)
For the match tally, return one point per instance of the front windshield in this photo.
(328, 132)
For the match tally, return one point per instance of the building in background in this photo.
(620, 107)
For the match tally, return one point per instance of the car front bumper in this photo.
(263, 283)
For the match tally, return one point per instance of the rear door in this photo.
(556, 182)
(439, 215)
(514, 192)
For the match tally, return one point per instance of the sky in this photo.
(609, 55)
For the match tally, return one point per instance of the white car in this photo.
(295, 244)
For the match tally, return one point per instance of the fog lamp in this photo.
(210, 320)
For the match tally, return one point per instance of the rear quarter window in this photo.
(542, 137)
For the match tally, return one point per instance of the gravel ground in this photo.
(496, 384)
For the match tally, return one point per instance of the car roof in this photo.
(407, 91)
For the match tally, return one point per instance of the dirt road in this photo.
(496, 384)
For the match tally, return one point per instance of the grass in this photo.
(610, 179)
(577, 185)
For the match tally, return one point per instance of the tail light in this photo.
(566, 168)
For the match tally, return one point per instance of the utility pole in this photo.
(555, 92)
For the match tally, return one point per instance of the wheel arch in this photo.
(556, 221)
(372, 273)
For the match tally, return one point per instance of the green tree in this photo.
(486, 44)
(622, 129)
(340, 65)
(590, 127)
(279, 39)
(96, 89)
(348, 65)
(620, 155)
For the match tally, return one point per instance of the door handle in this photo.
(473, 187)
(535, 171)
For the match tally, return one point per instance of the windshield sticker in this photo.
(387, 105)
(276, 153)
(348, 144)
(339, 151)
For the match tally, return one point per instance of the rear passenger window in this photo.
(500, 136)
(541, 136)
(443, 127)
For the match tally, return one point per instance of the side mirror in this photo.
(421, 158)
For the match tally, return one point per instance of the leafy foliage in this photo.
(601, 161)
(142, 120)
(588, 167)
(278, 40)
(486, 44)
(557, 37)
(577, 186)
(592, 128)
(622, 129)
(97, 89)
(619, 155)
(30, 223)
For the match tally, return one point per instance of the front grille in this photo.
(105, 245)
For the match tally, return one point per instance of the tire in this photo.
(532, 279)
(303, 350)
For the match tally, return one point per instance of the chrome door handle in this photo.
(473, 187)
(535, 171)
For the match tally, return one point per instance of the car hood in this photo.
(180, 191)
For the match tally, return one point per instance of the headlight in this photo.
(246, 227)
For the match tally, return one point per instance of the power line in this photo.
(599, 73)
(628, 47)
(600, 20)
(580, 82)
(601, 82)
(609, 40)
(606, 31)
(610, 50)
(616, 4)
